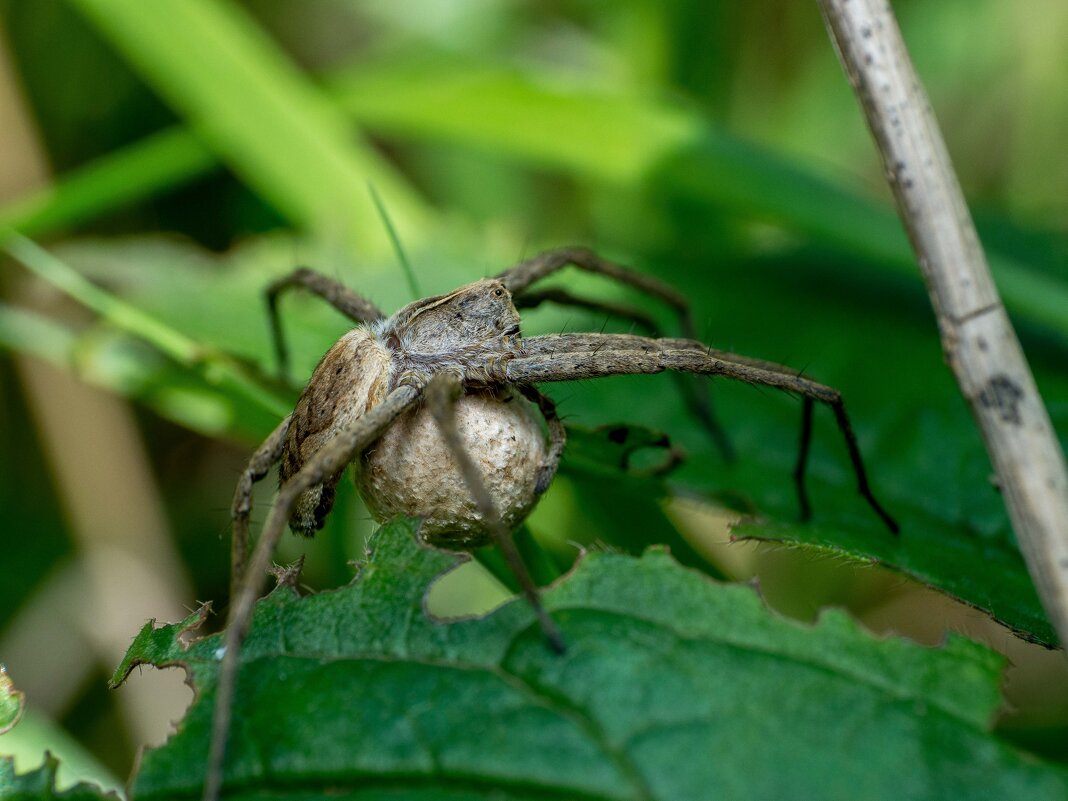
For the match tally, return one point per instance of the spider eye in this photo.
(498, 292)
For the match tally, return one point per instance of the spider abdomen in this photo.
(351, 379)
(410, 470)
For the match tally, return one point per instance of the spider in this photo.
(425, 402)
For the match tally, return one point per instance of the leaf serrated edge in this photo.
(842, 552)
(833, 622)
(42, 781)
(159, 646)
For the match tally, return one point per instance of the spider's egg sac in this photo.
(410, 471)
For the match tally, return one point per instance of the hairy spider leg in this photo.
(520, 277)
(804, 506)
(532, 298)
(327, 461)
(581, 356)
(694, 393)
(557, 436)
(265, 457)
(441, 395)
(354, 306)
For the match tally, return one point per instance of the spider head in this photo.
(471, 315)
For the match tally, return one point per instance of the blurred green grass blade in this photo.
(398, 248)
(147, 168)
(214, 367)
(35, 335)
(251, 106)
(129, 318)
(635, 141)
(571, 128)
(113, 362)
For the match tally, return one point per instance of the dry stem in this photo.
(977, 338)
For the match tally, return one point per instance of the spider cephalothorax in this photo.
(411, 397)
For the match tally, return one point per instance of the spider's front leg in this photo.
(354, 306)
(441, 395)
(522, 276)
(570, 357)
(327, 462)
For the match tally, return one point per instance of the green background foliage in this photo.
(199, 149)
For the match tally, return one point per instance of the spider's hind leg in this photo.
(354, 306)
(441, 395)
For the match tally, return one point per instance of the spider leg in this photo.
(582, 356)
(352, 305)
(695, 393)
(533, 298)
(802, 460)
(329, 460)
(557, 436)
(258, 466)
(441, 394)
(522, 275)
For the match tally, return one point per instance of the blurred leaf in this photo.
(214, 367)
(38, 739)
(990, 576)
(156, 164)
(614, 138)
(247, 102)
(543, 568)
(622, 504)
(633, 141)
(358, 692)
(40, 784)
(35, 335)
(10, 702)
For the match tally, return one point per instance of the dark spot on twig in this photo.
(1003, 394)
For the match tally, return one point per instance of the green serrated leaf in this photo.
(673, 686)
(40, 784)
(988, 576)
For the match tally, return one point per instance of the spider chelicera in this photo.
(425, 402)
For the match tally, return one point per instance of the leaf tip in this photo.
(159, 646)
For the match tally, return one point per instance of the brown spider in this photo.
(432, 388)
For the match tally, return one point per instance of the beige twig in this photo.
(977, 338)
